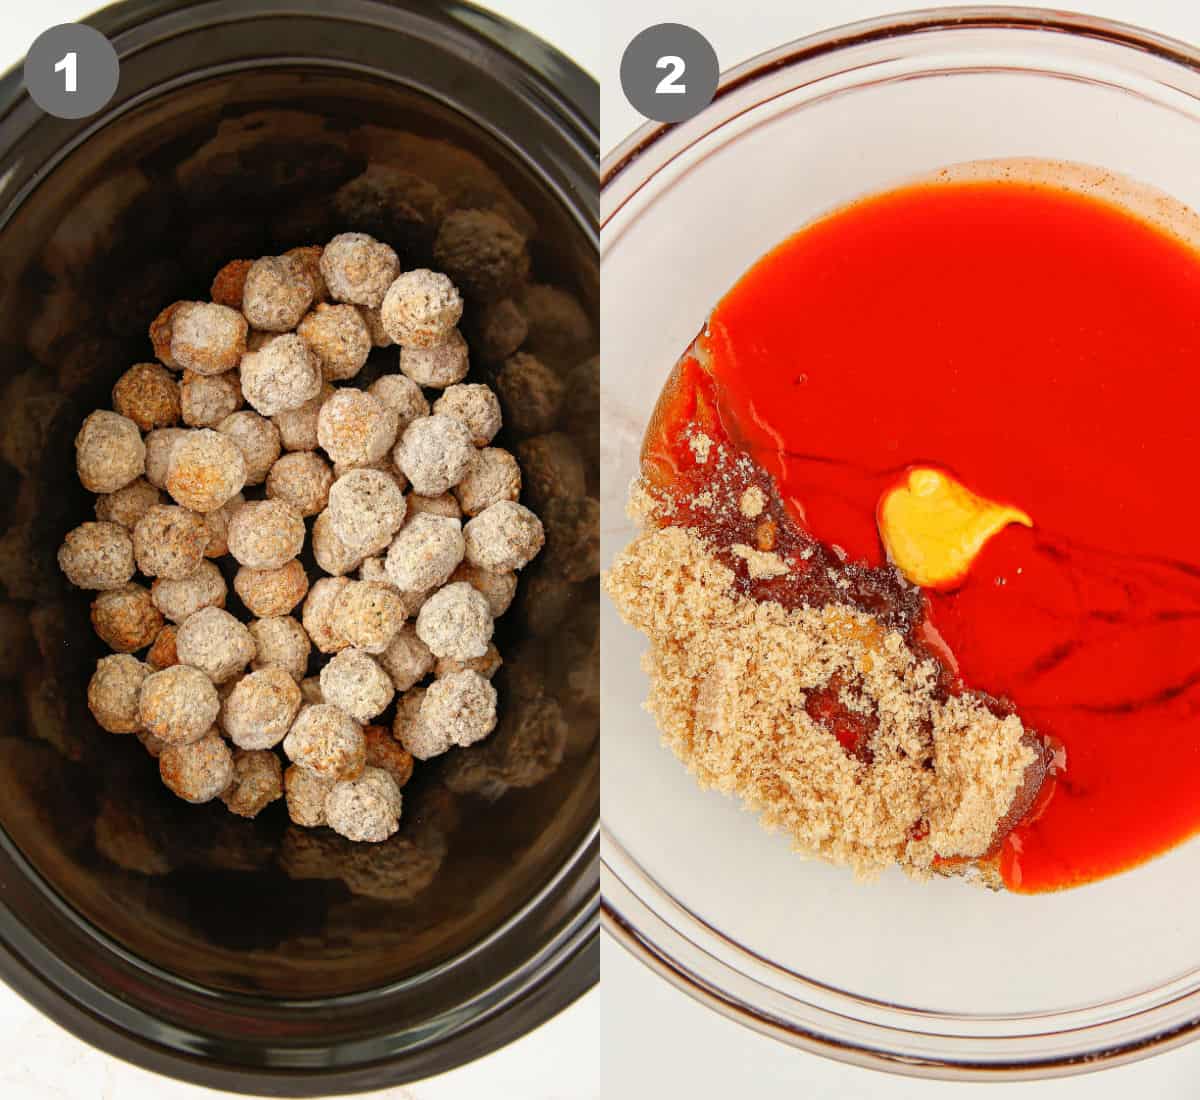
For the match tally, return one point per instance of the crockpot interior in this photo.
(140, 214)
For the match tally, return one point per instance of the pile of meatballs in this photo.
(412, 549)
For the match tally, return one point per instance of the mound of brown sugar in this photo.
(730, 680)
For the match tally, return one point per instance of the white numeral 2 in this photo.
(668, 85)
(67, 65)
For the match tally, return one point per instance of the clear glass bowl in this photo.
(942, 979)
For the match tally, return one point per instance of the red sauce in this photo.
(1043, 348)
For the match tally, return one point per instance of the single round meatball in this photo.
(328, 741)
(407, 659)
(97, 555)
(359, 269)
(258, 440)
(179, 599)
(205, 470)
(305, 792)
(531, 394)
(392, 205)
(277, 293)
(402, 395)
(444, 504)
(368, 614)
(208, 398)
(504, 537)
(434, 453)
(386, 753)
(340, 338)
(303, 479)
(197, 771)
(280, 642)
(355, 429)
(147, 395)
(476, 406)
(114, 690)
(366, 809)
(266, 534)
(573, 537)
(318, 614)
(207, 338)
(257, 782)
(281, 375)
(214, 641)
(217, 523)
(501, 330)
(559, 329)
(456, 622)
(229, 284)
(298, 427)
(162, 654)
(497, 588)
(309, 256)
(550, 467)
(458, 709)
(160, 444)
(261, 708)
(126, 506)
(421, 309)
(109, 452)
(160, 334)
(354, 682)
(439, 366)
(493, 476)
(482, 253)
(331, 554)
(178, 704)
(366, 507)
(425, 553)
(487, 666)
(270, 592)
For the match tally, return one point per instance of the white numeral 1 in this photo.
(67, 65)
(669, 85)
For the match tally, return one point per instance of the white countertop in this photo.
(559, 1061)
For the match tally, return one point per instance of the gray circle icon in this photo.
(71, 70)
(669, 72)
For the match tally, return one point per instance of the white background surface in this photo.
(561, 1060)
(657, 1041)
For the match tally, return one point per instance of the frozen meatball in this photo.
(531, 394)
(573, 537)
(160, 334)
(421, 309)
(217, 523)
(277, 293)
(147, 395)
(402, 395)
(114, 690)
(391, 204)
(178, 704)
(355, 429)
(444, 504)
(476, 406)
(270, 592)
(359, 269)
(207, 338)
(258, 440)
(205, 470)
(559, 329)
(487, 666)
(366, 809)
(366, 507)
(406, 724)
(497, 588)
(326, 740)
(459, 709)
(229, 284)
(303, 479)
(214, 641)
(162, 653)
(261, 708)
(257, 782)
(550, 467)
(298, 427)
(280, 642)
(354, 682)
(385, 752)
(331, 554)
(340, 338)
(493, 476)
(305, 792)
(281, 375)
(504, 537)
(197, 771)
(500, 331)
(425, 553)
(178, 599)
(309, 256)
(434, 454)
(373, 319)
(266, 534)
(482, 253)
(318, 614)
(439, 366)
(456, 622)
(97, 555)
(160, 444)
(208, 398)
(109, 452)
(407, 659)
(126, 506)
(368, 614)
